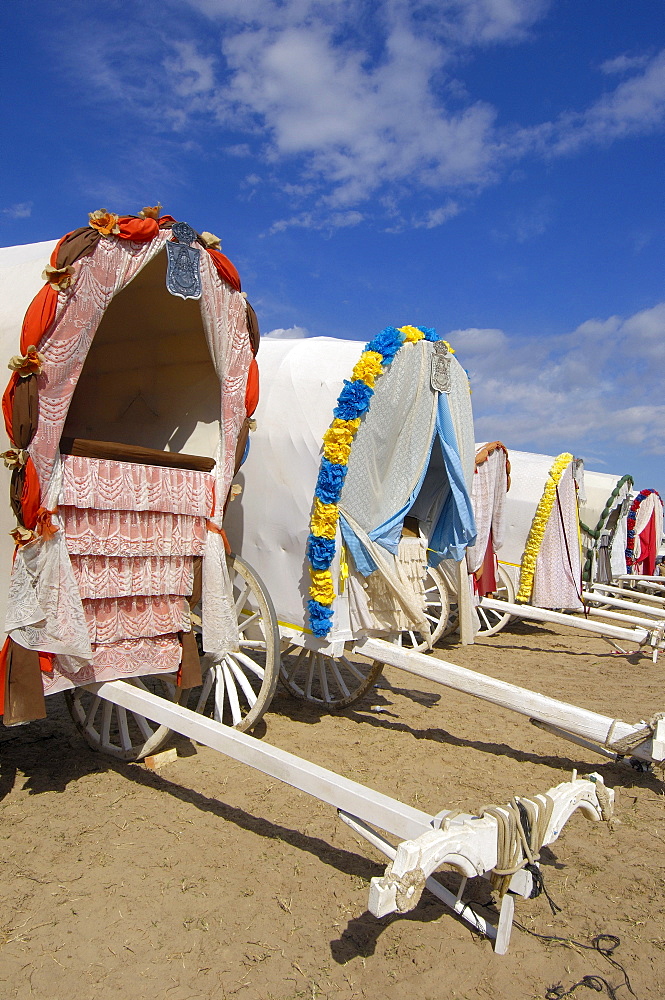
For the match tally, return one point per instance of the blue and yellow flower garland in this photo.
(352, 404)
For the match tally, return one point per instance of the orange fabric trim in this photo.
(163, 219)
(30, 497)
(44, 524)
(225, 268)
(8, 405)
(54, 256)
(38, 318)
(46, 662)
(211, 526)
(137, 230)
(252, 390)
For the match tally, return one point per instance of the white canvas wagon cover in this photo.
(412, 455)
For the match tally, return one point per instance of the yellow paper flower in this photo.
(338, 439)
(368, 368)
(322, 589)
(59, 278)
(324, 519)
(28, 364)
(411, 333)
(538, 526)
(151, 212)
(104, 222)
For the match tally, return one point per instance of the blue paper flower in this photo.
(386, 343)
(430, 334)
(320, 551)
(353, 400)
(319, 618)
(330, 482)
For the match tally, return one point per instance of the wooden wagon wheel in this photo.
(441, 614)
(237, 688)
(330, 682)
(115, 730)
(489, 620)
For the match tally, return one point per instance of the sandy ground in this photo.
(209, 880)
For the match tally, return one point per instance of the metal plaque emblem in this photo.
(440, 371)
(183, 271)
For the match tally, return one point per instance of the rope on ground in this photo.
(604, 944)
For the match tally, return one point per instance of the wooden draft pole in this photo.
(609, 737)
(472, 845)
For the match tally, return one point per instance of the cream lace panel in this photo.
(126, 658)
(106, 485)
(392, 443)
(150, 576)
(132, 533)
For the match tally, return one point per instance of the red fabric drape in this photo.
(252, 390)
(484, 581)
(30, 497)
(226, 269)
(646, 564)
(137, 230)
(8, 405)
(38, 318)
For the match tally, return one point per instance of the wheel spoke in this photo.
(206, 688)
(242, 625)
(123, 728)
(323, 677)
(242, 680)
(220, 689)
(92, 711)
(358, 674)
(251, 664)
(339, 679)
(105, 734)
(234, 704)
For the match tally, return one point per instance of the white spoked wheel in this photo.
(238, 687)
(330, 682)
(116, 731)
(489, 620)
(441, 615)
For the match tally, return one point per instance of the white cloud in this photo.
(635, 107)
(292, 333)
(22, 210)
(598, 386)
(356, 100)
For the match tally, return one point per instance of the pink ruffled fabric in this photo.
(105, 485)
(113, 618)
(132, 533)
(126, 658)
(149, 576)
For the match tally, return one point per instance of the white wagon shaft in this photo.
(486, 845)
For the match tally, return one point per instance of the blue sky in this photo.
(492, 168)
